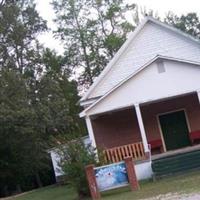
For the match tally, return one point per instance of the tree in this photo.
(75, 156)
(33, 118)
(189, 23)
(38, 100)
(149, 12)
(57, 97)
(22, 147)
(92, 31)
(19, 26)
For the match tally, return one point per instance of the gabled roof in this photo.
(125, 46)
(158, 57)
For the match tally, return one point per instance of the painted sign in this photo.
(111, 176)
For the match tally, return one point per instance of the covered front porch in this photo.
(154, 127)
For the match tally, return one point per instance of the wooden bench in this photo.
(156, 145)
(194, 136)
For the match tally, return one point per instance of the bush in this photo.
(75, 156)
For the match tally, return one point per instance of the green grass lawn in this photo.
(186, 183)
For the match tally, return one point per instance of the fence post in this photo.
(130, 167)
(95, 194)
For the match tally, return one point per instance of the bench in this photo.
(194, 136)
(156, 144)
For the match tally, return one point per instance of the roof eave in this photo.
(84, 112)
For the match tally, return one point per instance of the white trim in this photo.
(161, 133)
(198, 95)
(127, 43)
(83, 113)
(141, 126)
(90, 131)
(88, 102)
(187, 120)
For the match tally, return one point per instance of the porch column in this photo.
(141, 126)
(90, 131)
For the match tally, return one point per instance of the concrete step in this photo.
(176, 164)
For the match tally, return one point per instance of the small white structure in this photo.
(143, 170)
(56, 158)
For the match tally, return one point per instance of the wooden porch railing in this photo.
(117, 154)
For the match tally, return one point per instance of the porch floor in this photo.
(176, 152)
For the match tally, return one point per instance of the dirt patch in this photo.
(176, 196)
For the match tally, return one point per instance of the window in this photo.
(160, 67)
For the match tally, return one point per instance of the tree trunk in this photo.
(18, 189)
(38, 180)
(5, 191)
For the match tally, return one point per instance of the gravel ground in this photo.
(176, 196)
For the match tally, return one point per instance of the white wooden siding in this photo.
(151, 41)
(149, 85)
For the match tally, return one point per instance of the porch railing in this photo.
(117, 154)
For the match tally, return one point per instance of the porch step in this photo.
(176, 163)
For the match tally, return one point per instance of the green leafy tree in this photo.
(38, 98)
(59, 96)
(92, 31)
(149, 12)
(19, 26)
(22, 147)
(189, 23)
(75, 156)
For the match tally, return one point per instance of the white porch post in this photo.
(141, 126)
(90, 131)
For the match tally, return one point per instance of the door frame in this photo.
(169, 112)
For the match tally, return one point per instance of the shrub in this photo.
(75, 156)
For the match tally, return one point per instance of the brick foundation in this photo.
(130, 167)
(94, 192)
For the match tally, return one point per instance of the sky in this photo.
(46, 12)
(160, 6)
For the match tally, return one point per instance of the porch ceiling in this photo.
(143, 104)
